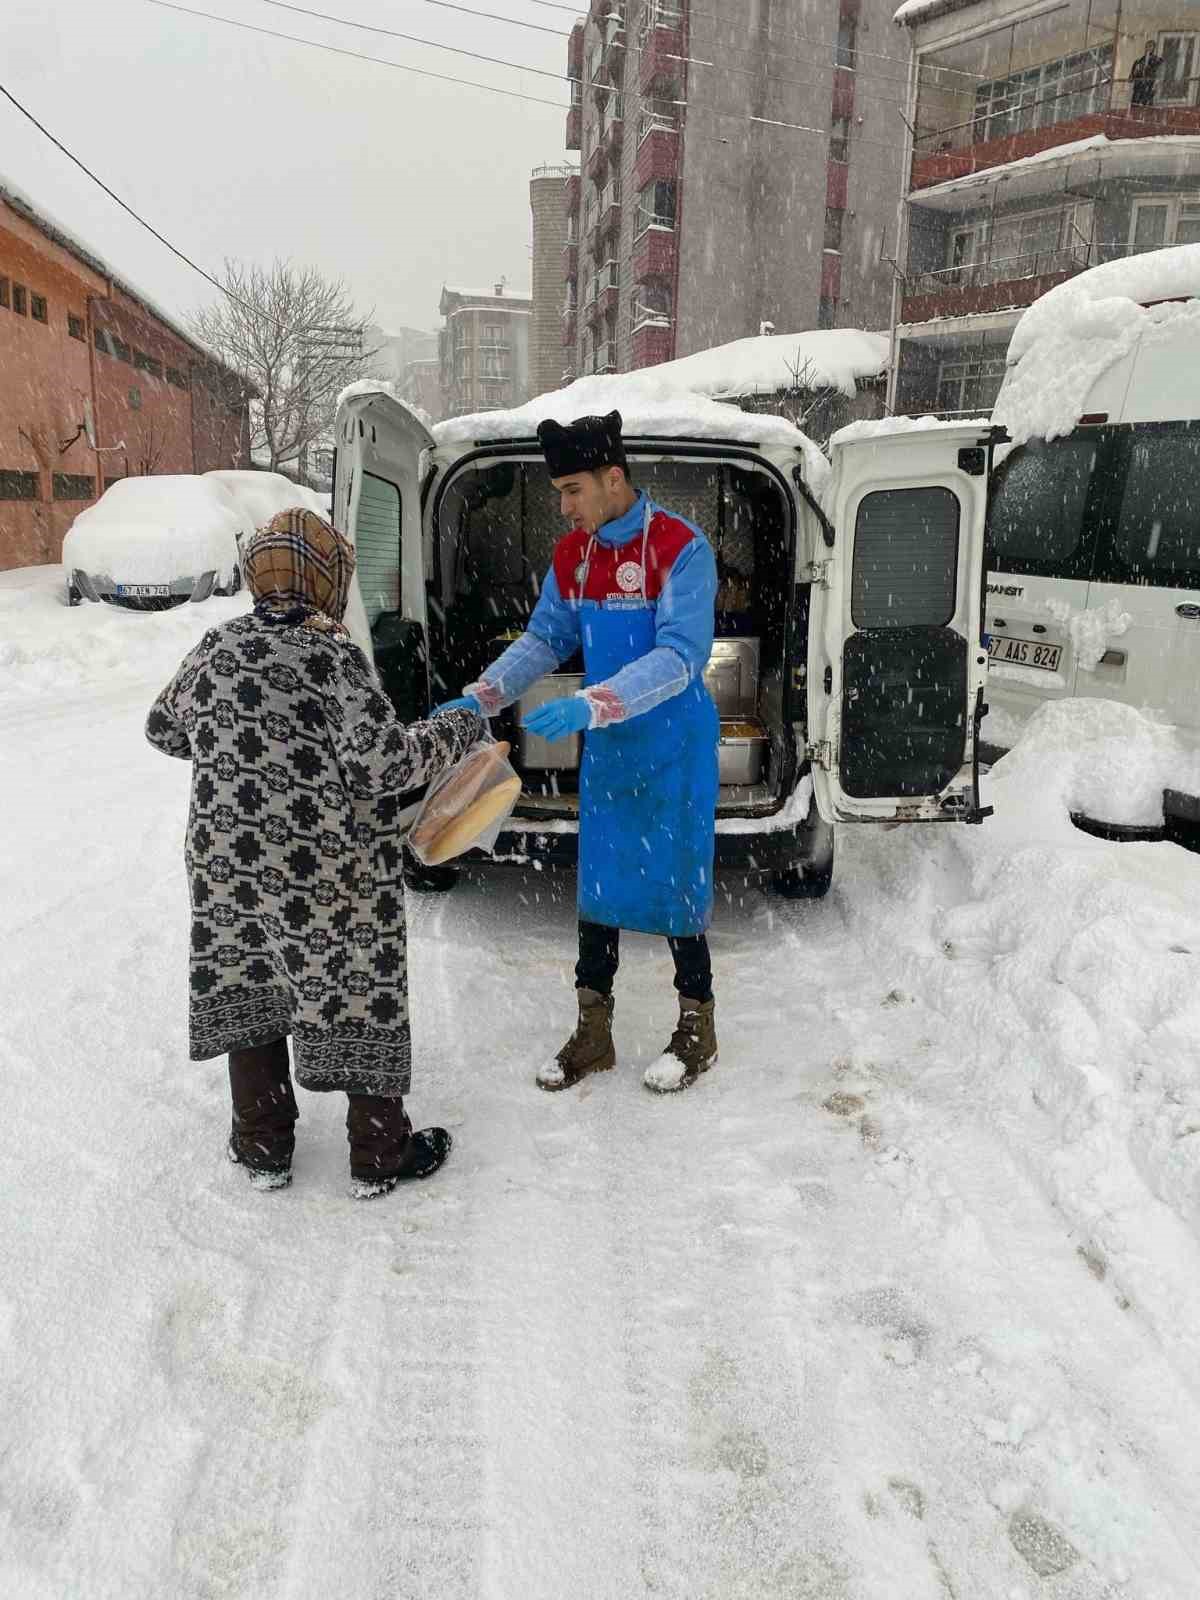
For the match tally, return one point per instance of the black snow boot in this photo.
(262, 1138)
(384, 1149)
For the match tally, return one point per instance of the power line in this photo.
(125, 206)
(516, 66)
(357, 55)
(470, 83)
(787, 33)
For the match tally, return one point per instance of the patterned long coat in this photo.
(294, 864)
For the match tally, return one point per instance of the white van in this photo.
(1093, 585)
(848, 663)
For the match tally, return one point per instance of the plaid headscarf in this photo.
(298, 569)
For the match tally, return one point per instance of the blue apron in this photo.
(648, 792)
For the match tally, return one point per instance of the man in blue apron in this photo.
(635, 586)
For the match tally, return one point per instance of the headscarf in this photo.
(298, 569)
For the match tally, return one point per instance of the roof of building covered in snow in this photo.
(1139, 152)
(1075, 332)
(500, 294)
(650, 407)
(833, 358)
(61, 235)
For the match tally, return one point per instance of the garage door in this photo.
(377, 541)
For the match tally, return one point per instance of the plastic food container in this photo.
(741, 752)
(559, 755)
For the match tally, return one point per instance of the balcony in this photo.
(654, 249)
(658, 149)
(958, 151)
(574, 136)
(604, 292)
(1008, 284)
(661, 56)
(570, 323)
(609, 209)
(651, 344)
(612, 129)
(570, 258)
(571, 191)
(606, 357)
(575, 51)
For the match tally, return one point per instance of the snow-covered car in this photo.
(848, 667)
(1094, 529)
(155, 542)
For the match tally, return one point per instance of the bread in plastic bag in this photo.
(467, 806)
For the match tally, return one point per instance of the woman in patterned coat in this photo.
(294, 864)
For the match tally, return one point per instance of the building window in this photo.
(117, 477)
(135, 399)
(1178, 78)
(20, 296)
(5, 294)
(969, 385)
(145, 363)
(656, 205)
(75, 326)
(839, 139)
(650, 306)
(1164, 219)
(38, 309)
(996, 249)
(176, 377)
(1058, 91)
(18, 485)
(102, 340)
(120, 349)
(74, 486)
(493, 333)
(833, 228)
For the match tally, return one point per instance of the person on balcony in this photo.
(636, 587)
(1143, 76)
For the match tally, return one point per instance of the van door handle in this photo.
(1113, 658)
(1189, 612)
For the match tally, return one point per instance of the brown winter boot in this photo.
(384, 1150)
(264, 1113)
(692, 1050)
(590, 1047)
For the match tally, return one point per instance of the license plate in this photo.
(1024, 653)
(137, 591)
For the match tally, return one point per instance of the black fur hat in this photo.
(585, 445)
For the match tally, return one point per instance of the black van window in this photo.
(905, 559)
(1157, 535)
(1036, 520)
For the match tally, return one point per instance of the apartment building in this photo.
(483, 349)
(548, 209)
(1046, 138)
(740, 166)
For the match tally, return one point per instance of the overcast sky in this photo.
(235, 144)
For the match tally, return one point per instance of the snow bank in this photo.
(50, 651)
(157, 529)
(1069, 338)
(834, 358)
(262, 495)
(649, 406)
(1100, 758)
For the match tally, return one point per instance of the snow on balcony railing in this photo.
(610, 195)
(647, 317)
(1009, 269)
(655, 122)
(648, 218)
(660, 14)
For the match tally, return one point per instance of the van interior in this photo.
(492, 538)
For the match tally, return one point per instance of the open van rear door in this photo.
(896, 663)
(377, 504)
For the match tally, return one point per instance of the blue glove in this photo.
(467, 702)
(558, 718)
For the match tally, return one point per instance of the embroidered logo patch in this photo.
(629, 577)
(580, 574)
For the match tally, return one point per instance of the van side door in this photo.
(376, 503)
(897, 666)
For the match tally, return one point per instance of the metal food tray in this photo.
(732, 675)
(544, 755)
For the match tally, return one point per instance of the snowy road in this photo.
(902, 1301)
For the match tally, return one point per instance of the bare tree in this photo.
(296, 340)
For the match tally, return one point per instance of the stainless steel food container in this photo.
(741, 752)
(732, 676)
(561, 755)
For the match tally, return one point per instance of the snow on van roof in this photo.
(886, 427)
(1069, 338)
(823, 358)
(648, 406)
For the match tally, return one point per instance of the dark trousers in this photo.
(600, 956)
(265, 1113)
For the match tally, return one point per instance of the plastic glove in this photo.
(466, 702)
(558, 718)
